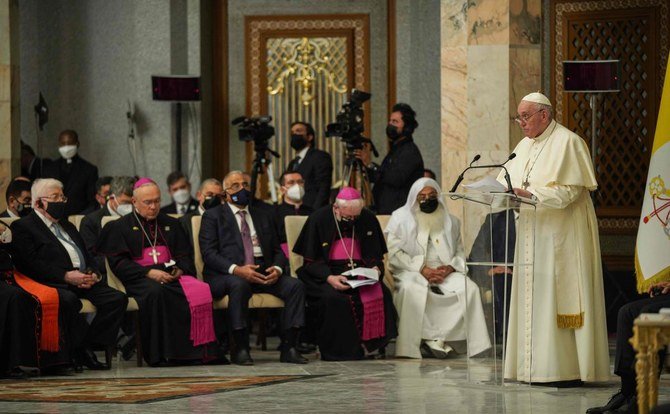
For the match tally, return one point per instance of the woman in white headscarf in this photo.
(427, 260)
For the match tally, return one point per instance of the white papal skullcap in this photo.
(537, 97)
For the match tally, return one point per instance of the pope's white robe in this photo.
(557, 328)
(422, 313)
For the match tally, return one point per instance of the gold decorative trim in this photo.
(570, 321)
(258, 25)
(562, 8)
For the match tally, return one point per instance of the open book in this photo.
(371, 276)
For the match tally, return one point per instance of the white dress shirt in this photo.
(252, 230)
(74, 256)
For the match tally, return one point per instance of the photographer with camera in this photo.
(401, 167)
(315, 166)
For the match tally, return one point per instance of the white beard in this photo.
(433, 221)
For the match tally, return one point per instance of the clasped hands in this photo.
(665, 286)
(435, 276)
(82, 280)
(250, 274)
(163, 277)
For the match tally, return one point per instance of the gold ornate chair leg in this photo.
(639, 342)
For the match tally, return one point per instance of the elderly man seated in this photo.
(49, 250)
(352, 322)
(148, 251)
(428, 263)
(242, 256)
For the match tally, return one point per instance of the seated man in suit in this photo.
(77, 175)
(209, 195)
(315, 166)
(49, 250)
(18, 199)
(293, 191)
(119, 204)
(180, 190)
(242, 256)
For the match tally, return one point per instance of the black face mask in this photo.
(211, 202)
(298, 142)
(56, 210)
(241, 198)
(346, 224)
(23, 209)
(392, 132)
(428, 206)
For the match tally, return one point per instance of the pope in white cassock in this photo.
(432, 291)
(557, 330)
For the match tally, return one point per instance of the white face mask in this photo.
(181, 196)
(295, 192)
(124, 209)
(68, 151)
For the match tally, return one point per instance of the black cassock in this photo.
(19, 330)
(165, 318)
(339, 313)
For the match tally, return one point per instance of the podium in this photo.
(490, 223)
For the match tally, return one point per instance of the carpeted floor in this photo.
(130, 390)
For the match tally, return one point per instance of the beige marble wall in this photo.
(490, 58)
(9, 137)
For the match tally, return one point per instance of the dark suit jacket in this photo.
(172, 207)
(89, 229)
(221, 241)
(5, 214)
(78, 180)
(317, 171)
(402, 166)
(40, 255)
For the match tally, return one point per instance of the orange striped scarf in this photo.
(48, 299)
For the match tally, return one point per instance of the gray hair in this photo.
(231, 173)
(548, 108)
(209, 181)
(122, 185)
(357, 203)
(40, 188)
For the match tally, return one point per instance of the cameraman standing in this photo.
(315, 166)
(402, 165)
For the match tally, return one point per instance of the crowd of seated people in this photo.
(126, 238)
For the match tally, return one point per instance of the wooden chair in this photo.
(115, 283)
(257, 301)
(76, 220)
(294, 225)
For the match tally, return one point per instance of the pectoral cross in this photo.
(525, 184)
(352, 265)
(154, 254)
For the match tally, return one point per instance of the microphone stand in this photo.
(474, 167)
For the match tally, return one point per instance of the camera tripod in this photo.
(262, 162)
(355, 174)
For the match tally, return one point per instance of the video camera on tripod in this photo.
(259, 130)
(349, 124)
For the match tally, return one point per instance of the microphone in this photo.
(502, 165)
(461, 176)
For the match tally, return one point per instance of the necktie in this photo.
(295, 163)
(60, 236)
(246, 238)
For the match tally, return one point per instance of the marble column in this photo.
(9, 98)
(490, 57)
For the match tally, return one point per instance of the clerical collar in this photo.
(546, 133)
